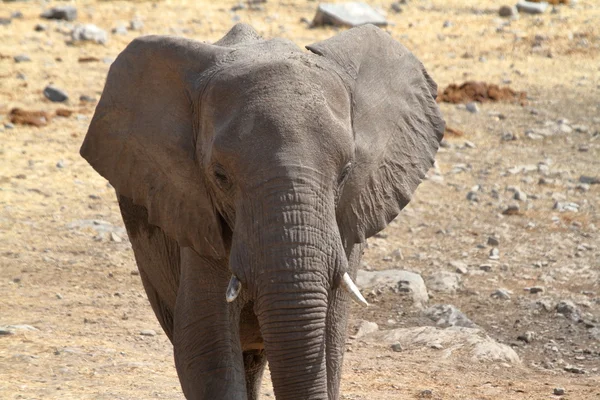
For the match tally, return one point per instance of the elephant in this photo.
(249, 174)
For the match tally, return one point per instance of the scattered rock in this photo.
(396, 7)
(136, 24)
(89, 32)
(501, 294)
(115, 238)
(365, 328)
(21, 58)
(527, 337)
(426, 394)
(573, 369)
(472, 107)
(67, 13)
(401, 281)
(120, 29)
(444, 282)
(60, 164)
(481, 92)
(508, 11)
(486, 267)
(536, 289)
(590, 180)
(397, 347)
(445, 315)
(558, 391)
(455, 340)
(33, 118)
(529, 7)
(460, 267)
(347, 14)
(18, 327)
(566, 206)
(40, 27)
(493, 241)
(511, 210)
(55, 94)
(148, 332)
(569, 310)
(494, 254)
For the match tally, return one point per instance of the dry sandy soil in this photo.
(75, 281)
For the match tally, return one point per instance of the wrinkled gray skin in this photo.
(257, 159)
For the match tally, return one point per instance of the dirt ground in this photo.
(67, 271)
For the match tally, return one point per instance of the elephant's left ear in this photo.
(397, 126)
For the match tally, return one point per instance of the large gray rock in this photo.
(401, 281)
(89, 32)
(446, 315)
(67, 13)
(347, 14)
(451, 342)
(444, 282)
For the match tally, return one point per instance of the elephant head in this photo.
(275, 160)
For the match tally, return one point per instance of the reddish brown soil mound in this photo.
(480, 91)
(24, 117)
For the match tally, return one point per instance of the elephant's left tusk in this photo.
(234, 288)
(353, 290)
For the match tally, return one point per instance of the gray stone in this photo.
(365, 328)
(501, 294)
(115, 238)
(444, 282)
(347, 14)
(520, 195)
(508, 11)
(396, 7)
(18, 327)
(5, 21)
(536, 289)
(459, 266)
(87, 99)
(494, 254)
(55, 94)
(60, 164)
(67, 13)
(527, 337)
(445, 315)
(569, 310)
(90, 33)
(136, 24)
(472, 107)
(9, 125)
(397, 347)
(493, 241)
(148, 332)
(120, 29)
(21, 58)
(16, 15)
(452, 341)
(590, 180)
(40, 27)
(558, 391)
(529, 7)
(574, 369)
(401, 281)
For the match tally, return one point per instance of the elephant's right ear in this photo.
(141, 137)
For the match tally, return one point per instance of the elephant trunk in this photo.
(296, 255)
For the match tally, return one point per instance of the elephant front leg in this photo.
(208, 355)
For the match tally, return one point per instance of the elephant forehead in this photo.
(280, 100)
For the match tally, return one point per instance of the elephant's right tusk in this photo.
(353, 290)
(234, 288)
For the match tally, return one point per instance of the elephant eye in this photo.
(344, 174)
(221, 178)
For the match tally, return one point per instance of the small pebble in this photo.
(396, 347)
(558, 391)
(472, 107)
(148, 332)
